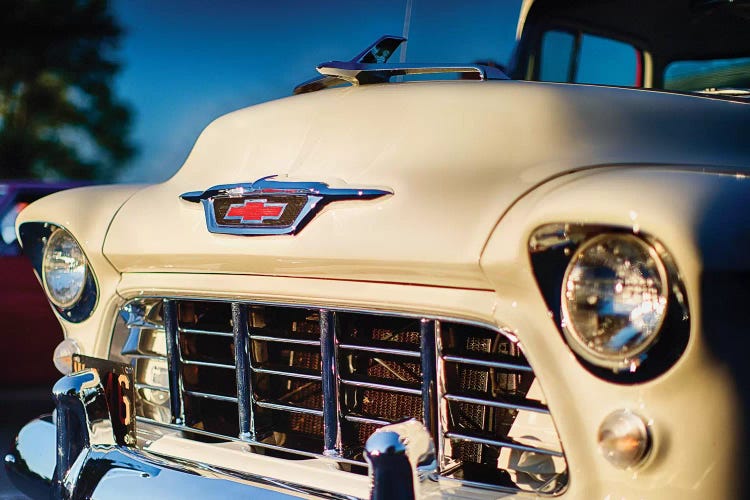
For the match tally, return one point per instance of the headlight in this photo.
(63, 269)
(614, 300)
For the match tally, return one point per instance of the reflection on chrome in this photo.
(398, 454)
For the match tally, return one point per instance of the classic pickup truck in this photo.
(518, 283)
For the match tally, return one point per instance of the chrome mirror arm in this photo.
(399, 457)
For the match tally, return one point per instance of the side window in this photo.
(557, 57)
(607, 62)
(583, 58)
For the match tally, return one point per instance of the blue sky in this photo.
(186, 62)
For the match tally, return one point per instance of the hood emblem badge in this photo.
(268, 206)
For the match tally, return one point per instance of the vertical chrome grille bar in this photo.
(331, 424)
(173, 362)
(242, 361)
(429, 375)
(443, 444)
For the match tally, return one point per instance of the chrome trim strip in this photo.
(496, 404)
(489, 364)
(329, 374)
(206, 332)
(382, 387)
(365, 420)
(294, 409)
(339, 308)
(266, 338)
(185, 428)
(380, 350)
(173, 361)
(242, 361)
(206, 395)
(429, 375)
(206, 363)
(502, 444)
(282, 373)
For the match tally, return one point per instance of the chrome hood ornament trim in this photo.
(268, 207)
(370, 66)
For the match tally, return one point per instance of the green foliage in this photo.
(59, 117)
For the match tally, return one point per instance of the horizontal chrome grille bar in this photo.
(283, 407)
(285, 340)
(305, 376)
(382, 387)
(206, 332)
(206, 395)
(502, 444)
(207, 363)
(497, 404)
(502, 365)
(380, 350)
(365, 420)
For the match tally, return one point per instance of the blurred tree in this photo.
(59, 117)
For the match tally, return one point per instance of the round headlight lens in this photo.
(614, 299)
(63, 269)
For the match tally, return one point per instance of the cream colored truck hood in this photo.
(455, 154)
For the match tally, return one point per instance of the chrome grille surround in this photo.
(301, 382)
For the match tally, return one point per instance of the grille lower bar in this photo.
(316, 382)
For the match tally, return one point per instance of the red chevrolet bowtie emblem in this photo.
(255, 211)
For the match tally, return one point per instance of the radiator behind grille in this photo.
(313, 382)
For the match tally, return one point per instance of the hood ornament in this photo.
(268, 206)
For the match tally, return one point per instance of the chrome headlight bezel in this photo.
(35, 237)
(551, 249)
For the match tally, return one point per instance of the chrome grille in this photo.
(309, 381)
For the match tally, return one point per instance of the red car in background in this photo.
(30, 330)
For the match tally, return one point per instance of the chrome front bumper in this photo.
(87, 451)
(116, 472)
